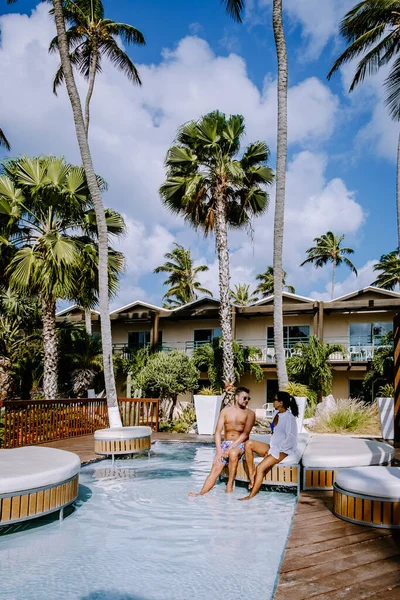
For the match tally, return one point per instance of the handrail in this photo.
(28, 422)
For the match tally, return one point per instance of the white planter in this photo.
(301, 403)
(207, 413)
(386, 416)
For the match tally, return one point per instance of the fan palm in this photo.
(372, 30)
(266, 285)
(213, 189)
(90, 37)
(309, 364)
(182, 279)
(241, 295)
(327, 249)
(46, 201)
(389, 267)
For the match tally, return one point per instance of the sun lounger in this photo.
(368, 496)
(35, 481)
(326, 454)
(122, 440)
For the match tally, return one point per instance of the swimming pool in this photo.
(136, 535)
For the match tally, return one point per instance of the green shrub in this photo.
(165, 426)
(349, 416)
(301, 390)
(209, 391)
(386, 391)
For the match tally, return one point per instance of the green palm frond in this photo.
(234, 8)
(4, 143)
(388, 268)
(266, 285)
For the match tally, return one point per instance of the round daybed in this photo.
(286, 473)
(368, 496)
(122, 440)
(35, 481)
(326, 454)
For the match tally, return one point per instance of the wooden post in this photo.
(154, 332)
(315, 318)
(396, 337)
(321, 321)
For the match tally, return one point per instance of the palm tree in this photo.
(389, 265)
(234, 8)
(281, 160)
(182, 277)
(266, 285)
(90, 37)
(4, 143)
(327, 249)
(372, 30)
(241, 295)
(87, 277)
(95, 194)
(309, 364)
(213, 189)
(46, 198)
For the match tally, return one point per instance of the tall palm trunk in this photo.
(280, 44)
(112, 401)
(50, 374)
(92, 77)
(398, 192)
(333, 277)
(221, 239)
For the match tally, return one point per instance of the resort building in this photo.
(357, 321)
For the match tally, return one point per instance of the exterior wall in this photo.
(341, 382)
(255, 328)
(337, 325)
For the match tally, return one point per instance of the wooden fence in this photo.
(26, 422)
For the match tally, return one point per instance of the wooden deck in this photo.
(329, 558)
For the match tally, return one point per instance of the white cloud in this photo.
(365, 277)
(131, 129)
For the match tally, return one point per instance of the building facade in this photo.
(357, 321)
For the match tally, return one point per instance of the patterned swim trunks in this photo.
(226, 445)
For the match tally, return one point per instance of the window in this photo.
(364, 334)
(205, 336)
(356, 389)
(292, 334)
(272, 389)
(141, 339)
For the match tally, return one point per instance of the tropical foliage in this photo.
(91, 36)
(327, 249)
(166, 375)
(241, 295)
(183, 286)
(371, 30)
(209, 358)
(349, 415)
(389, 267)
(381, 371)
(213, 189)
(309, 364)
(266, 285)
(4, 143)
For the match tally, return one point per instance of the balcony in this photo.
(357, 351)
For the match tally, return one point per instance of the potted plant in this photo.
(207, 404)
(386, 410)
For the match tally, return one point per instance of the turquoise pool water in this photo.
(136, 535)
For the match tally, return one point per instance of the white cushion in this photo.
(35, 466)
(380, 482)
(291, 459)
(342, 451)
(122, 433)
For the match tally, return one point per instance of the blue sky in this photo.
(342, 151)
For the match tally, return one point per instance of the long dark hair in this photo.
(288, 401)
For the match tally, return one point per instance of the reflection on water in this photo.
(136, 535)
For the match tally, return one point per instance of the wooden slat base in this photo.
(278, 475)
(366, 510)
(122, 446)
(318, 479)
(39, 502)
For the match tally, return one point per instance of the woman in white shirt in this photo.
(283, 442)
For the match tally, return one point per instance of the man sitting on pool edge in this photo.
(236, 421)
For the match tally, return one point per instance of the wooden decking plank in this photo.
(370, 547)
(303, 586)
(321, 536)
(354, 538)
(382, 584)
